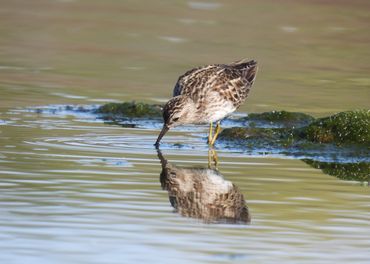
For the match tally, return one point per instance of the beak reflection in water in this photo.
(203, 193)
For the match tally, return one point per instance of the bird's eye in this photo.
(175, 119)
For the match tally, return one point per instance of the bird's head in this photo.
(177, 111)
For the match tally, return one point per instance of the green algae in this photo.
(351, 127)
(246, 133)
(131, 110)
(282, 118)
(344, 127)
(345, 171)
(293, 128)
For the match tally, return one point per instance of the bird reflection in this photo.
(203, 193)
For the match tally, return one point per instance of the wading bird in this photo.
(208, 94)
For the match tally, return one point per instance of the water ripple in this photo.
(73, 188)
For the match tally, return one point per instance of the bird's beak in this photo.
(163, 132)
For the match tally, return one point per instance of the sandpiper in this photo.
(208, 94)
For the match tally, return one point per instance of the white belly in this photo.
(221, 112)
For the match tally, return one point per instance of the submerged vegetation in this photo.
(256, 136)
(275, 128)
(344, 135)
(131, 110)
(281, 118)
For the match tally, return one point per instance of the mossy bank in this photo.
(131, 110)
(272, 129)
(351, 127)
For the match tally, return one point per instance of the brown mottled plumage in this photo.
(203, 193)
(208, 94)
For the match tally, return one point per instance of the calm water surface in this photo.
(76, 190)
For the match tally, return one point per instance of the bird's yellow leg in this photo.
(212, 156)
(217, 131)
(209, 159)
(215, 158)
(210, 133)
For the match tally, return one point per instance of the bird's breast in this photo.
(216, 110)
(222, 112)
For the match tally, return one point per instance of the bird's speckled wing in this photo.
(230, 81)
(185, 79)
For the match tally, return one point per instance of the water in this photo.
(76, 190)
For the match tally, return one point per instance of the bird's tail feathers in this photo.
(244, 63)
(249, 68)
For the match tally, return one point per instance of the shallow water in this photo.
(76, 190)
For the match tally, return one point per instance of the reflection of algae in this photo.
(346, 171)
(131, 110)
